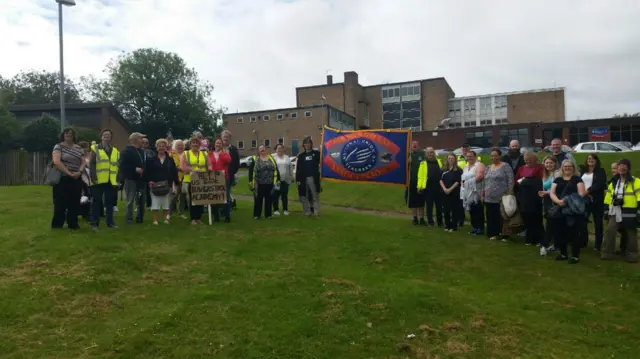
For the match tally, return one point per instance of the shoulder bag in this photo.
(52, 175)
(555, 211)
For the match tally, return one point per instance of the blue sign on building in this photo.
(599, 132)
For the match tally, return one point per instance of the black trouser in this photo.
(533, 226)
(451, 207)
(595, 209)
(98, 193)
(568, 235)
(66, 202)
(549, 233)
(433, 198)
(148, 189)
(461, 213)
(283, 194)
(494, 219)
(195, 211)
(263, 197)
(476, 214)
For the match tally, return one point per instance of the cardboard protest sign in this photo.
(208, 188)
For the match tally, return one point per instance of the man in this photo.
(513, 158)
(149, 154)
(103, 170)
(132, 164)
(235, 161)
(432, 193)
(204, 143)
(414, 198)
(556, 150)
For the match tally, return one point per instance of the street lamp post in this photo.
(63, 119)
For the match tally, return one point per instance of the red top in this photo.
(222, 164)
(527, 172)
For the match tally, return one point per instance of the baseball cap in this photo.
(136, 134)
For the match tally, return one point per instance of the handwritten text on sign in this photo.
(208, 188)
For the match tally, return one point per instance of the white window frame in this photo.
(264, 142)
(252, 119)
(279, 117)
(254, 143)
(308, 114)
(240, 145)
(240, 120)
(280, 140)
(294, 115)
(266, 118)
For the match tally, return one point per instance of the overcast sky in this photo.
(255, 52)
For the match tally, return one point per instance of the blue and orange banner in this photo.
(368, 156)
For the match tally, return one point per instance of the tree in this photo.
(40, 135)
(624, 115)
(36, 87)
(9, 126)
(156, 92)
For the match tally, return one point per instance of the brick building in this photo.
(97, 116)
(420, 105)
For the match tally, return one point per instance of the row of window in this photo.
(279, 117)
(266, 142)
(472, 123)
(399, 106)
(401, 91)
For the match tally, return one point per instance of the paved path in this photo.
(346, 209)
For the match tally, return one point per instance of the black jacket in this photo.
(506, 159)
(527, 194)
(599, 184)
(302, 172)
(235, 161)
(434, 173)
(157, 171)
(130, 159)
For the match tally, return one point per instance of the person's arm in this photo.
(480, 172)
(444, 188)
(509, 171)
(299, 170)
(92, 166)
(518, 174)
(252, 166)
(56, 158)
(581, 189)
(553, 196)
(184, 165)
(458, 179)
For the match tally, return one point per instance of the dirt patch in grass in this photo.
(427, 328)
(451, 327)
(339, 281)
(455, 347)
(503, 343)
(30, 271)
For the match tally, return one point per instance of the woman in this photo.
(194, 161)
(162, 176)
(498, 180)
(450, 184)
(549, 174)
(69, 159)
(285, 167)
(568, 226)
(622, 202)
(595, 182)
(263, 179)
(529, 184)
(472, 176)
(220, 160)
(85, 196)
(308, 178)
(179, 201)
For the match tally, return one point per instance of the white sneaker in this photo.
(286, 213)
(166, 221)
(115, 208)
(276, 213)
(168, 217)
(543, 251)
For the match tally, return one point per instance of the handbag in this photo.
(52, 175)
(555, 211)
(160, 188)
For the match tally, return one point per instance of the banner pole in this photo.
(409, 158)
(210, 221)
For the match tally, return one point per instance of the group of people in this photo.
(550, 203)
(91, 175)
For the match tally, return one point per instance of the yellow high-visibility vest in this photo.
(197, 163)
(106, 167)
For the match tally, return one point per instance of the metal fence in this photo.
(19, 168)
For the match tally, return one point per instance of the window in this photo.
(385, 94)
(239, 120)
(416, 90)
(241, 145)
(391, 107)
(252, 119)
(469, 123)
(589, 146)
(607, 147)
(294, 115)
(279, 116)
(265, 118)
(500, 121)
(520, 134)
(482, 139)
(307, 114)
(625, 133)
(396, 92)
(485, 122)
(403, 91)
(578, 135)
(267, 142)
(281, 140)
(254, 143)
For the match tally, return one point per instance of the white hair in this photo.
(225, 132)
(176, 143)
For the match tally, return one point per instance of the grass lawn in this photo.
(391, 198)
(344, 286)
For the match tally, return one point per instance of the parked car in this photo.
(245, 162)
(458, 151)
(624, 143)
(530, 149)
(565, 148)
(636, 147)
(600, 147)
(443, 151)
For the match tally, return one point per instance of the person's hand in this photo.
(250, 187)
(520, 180)
(139, 170)
(76, 175)
(542, 194)
(150, 184)
(561, 203)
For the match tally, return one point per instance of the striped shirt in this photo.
(70, 157)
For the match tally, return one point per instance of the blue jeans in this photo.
(98, 193)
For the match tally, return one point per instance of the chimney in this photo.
(329, 80)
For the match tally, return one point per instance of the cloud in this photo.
(256, 52)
